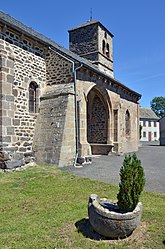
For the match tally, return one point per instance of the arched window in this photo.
(97, 122)
(107, 50)
(127, 123)
(103, 47)
(33, 97)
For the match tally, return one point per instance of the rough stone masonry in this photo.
(59, 106)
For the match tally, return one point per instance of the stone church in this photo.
(60, 106)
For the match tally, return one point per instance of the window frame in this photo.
(127, 124)
(33, 97)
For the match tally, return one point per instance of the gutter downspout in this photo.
(76, 112)
(74, 71)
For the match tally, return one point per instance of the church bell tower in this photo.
(93, 41)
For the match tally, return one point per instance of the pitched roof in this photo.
(91, 22)
(148, 113)
(85, 24)
(7, 19)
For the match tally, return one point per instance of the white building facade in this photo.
(149, 123)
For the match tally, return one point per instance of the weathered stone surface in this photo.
(87, 41)
(48, 137)
(107, 220)
(10, 78)
(10, 130)
(4, 157)
(9, 98)
(50, 131)
(14, 164)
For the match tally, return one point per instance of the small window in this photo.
(105, 35)
(127, 123)
(107, 50)
(33, 97)
(103, 47)
(144, 123)
(144, 134)
(155, 134)
(155, 124)
(149, 123)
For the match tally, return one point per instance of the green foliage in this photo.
(40, 206)
(158, 106)
(132, 183)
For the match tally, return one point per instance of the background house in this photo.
(150, 125)
(162, 131)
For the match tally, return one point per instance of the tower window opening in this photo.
(107, 50)
(103, 47)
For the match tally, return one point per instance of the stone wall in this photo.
(48, 135)
(54, 140)
(7, 137)
(58, 70)
(21, 40)
(50, 128)
(19, 68)
(87, 41)
(84, 40)
(117, 105)
(128, 143)
(104, 35)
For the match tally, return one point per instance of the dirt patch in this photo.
(135, 240)
(64, 234)
(138, 237)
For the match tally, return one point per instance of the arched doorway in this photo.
(97, 118)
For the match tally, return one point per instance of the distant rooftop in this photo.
(148, 113)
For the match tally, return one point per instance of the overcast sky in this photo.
(138, 27)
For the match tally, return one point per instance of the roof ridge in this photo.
(48, 42)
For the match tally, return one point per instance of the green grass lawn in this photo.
(43, 207)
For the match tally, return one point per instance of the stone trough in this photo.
(107, 220)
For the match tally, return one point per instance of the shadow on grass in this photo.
(83, 226)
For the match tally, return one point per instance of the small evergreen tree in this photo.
(140, 131)
(132, 182)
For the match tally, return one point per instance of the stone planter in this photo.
(107, 220)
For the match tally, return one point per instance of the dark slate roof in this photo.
(148, 113)
(91, 22)
(85, 24)
(7, 19)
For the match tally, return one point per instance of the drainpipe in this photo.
(74, 71)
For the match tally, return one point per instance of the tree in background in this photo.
(158, 106)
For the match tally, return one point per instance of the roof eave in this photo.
(48, 42)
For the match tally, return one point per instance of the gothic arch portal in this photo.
(97, 117)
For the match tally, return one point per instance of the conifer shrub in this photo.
(132, 181)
